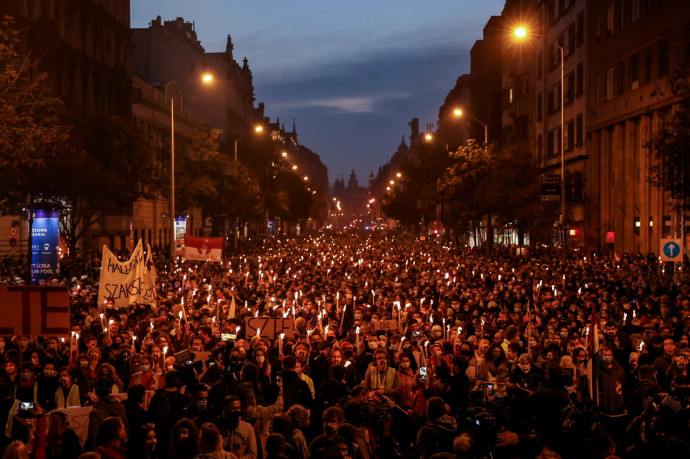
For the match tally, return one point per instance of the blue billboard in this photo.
(45, 238)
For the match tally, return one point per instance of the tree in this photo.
(670, 147)
(29, 125)
(30, 130)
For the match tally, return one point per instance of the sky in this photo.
(351, 74)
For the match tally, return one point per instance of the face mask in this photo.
(83, 364)
(466, 353)
(145, 367)
(564, 335)
(233, 417)
(201, 404)
(394, 347)
(406, 346)
(373, 345)
(358, 316)
(404, 365)
(25, 377)
(49, 373)
(52, 346)
(607, 359)
(438, 352)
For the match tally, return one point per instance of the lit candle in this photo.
(258, 332)
(280, 343)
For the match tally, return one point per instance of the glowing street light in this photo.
(521, 33)
(256, 129)
(459, 112)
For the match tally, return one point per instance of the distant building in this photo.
(169, 51)
(350, 206)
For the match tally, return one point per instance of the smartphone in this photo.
(279, 378)
(228, 336)
(422, 373)
(26, 406)
(490, 389)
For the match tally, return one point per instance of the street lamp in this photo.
(256, 129)
(173, 248)
(521, 33)
(458, 112)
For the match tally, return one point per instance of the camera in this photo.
(422, 373)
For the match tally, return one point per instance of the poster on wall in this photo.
(45, 239)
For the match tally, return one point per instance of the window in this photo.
(648, 63)
(570, 49)
(634, 71)
(540, 103)
(578, 130)
(570, 136)
(569, 87)
(664, 63)
(608, 84)
(635, 10)
(609, 20)
(551, 102)
(621, 77)
(550, 146)
(579, 79)
(580, 24)
(540, 150)
(540, 63)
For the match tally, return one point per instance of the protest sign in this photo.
(269, 327)
(126, 282)
(203, 248)
(77, 420)
(35, 311)
(385, 325)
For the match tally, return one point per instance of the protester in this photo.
(392, 347)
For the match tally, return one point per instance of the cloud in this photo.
(349, 105)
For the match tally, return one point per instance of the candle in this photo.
(280, 344)
(357, 343)
(444, 328)
(258, 332)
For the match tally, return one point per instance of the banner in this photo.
(77, 419)
(385, 325)
(45, 238)
(203, 248)
(35, 311)
(126, 282)
(269, 327)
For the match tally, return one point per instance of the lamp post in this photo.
(173, 248)
(521, 33)
(256, 129)
(458, 112)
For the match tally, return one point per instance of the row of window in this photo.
(627, 73)
(621, 13)
(572, 138)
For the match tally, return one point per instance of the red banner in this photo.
(203, 248)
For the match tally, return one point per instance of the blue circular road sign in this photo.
(671, 249)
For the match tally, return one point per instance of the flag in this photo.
(231, 309)
(203, 248)
(593, 363)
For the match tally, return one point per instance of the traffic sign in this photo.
(671, 250)
(13, 231)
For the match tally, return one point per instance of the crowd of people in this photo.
(388, 347)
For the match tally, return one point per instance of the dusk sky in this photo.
(351, 74)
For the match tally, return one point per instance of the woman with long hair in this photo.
(62, 442)
(184, 439)
(143, 445)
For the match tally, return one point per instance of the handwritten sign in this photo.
(77, 420)
(35, 311)
(126, 282)
(385, 325)
(269, 327)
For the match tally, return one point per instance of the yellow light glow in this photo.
(428, 136)
(457, 112)
(520, 32)
(259, 128)
(207, 78)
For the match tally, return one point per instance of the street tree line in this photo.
(90, 166)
